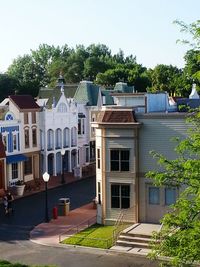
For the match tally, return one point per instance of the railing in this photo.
(76, 229)
(119, 225)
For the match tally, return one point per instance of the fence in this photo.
(76, 229)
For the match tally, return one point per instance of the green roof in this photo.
(50, 93)
(108, 98)
(124, 88)
(87, 92)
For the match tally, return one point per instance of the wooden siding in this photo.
(156, 134)
(112, 214)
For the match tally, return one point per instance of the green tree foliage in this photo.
(192, 57)
(180, 235)
(8, 86)
(166, 78)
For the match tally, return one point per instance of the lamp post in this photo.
(62, 176)
(46, 179)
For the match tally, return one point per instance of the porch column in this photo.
(54, 165)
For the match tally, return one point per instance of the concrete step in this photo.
(134, 239)
(139, 235)
(132, 244)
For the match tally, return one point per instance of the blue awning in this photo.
(15, 158)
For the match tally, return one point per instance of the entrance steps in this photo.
(136, 238)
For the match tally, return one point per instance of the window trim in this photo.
(26, 139)
(14, 171)
(120, 197)
(175, 195)
(120, 161)
(159, 198)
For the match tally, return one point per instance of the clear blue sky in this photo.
(143, 28)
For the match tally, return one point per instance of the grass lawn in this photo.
(8, 264)
(97, 236)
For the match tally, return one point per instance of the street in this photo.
(29, 211)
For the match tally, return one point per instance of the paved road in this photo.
(30, 253)
(29, 211)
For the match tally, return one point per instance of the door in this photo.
(158, 200)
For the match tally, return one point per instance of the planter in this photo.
(18, 190)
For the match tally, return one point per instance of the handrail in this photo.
(119, 222)
(86, 222)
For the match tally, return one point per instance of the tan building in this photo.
(123, 143)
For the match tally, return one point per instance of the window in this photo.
(4, 140)
(33, 117)
(14, 142)
(25, 118)
(98, 159)
(87, 156)
(26, 137)
(154, 195)
(9, 117)
(62, 108)
(119, 160)
(92, 150)
(120, 196)
(34, 136)
(81, 126)
(14, 171)
(28, 166)
(99, 193)
(170, 196)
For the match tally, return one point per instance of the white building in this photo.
(58, 133)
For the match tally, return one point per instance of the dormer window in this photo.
(62, 108)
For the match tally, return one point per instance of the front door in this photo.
(158, 200)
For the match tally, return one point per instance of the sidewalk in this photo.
(48, 233)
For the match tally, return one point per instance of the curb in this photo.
(88, 249)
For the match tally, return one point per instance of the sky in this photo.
(143, 28)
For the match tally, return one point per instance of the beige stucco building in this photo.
(123, 142)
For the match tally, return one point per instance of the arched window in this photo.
(58, 138)
(26, 137)
(9, 117)
(66, 137)
(50, 139)
(62, 108)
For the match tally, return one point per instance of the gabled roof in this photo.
(55, 93)
(87, 92)
(124, 88)
(24, 101)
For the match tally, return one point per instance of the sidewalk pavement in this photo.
(48, 233)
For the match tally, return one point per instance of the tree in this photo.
(8, 86)
(192, 57)
(166, 78)
(180, 235)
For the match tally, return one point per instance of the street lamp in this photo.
(46, 179)
(63, 177)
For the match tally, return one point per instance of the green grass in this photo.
(4, 263)
(97, 236)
